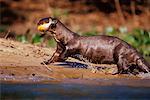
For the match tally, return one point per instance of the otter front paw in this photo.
(56, 59)
(46, 62)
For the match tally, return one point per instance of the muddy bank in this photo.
(22, 63)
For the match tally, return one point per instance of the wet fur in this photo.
(98, 49)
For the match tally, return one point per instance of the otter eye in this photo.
(44, 20)
(47, 21)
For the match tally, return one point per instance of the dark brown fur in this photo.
(98, 49)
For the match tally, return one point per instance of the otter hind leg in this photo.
(122, 65)
(143, 65)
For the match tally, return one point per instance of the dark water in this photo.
(71, 92)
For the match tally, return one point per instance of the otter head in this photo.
(47, 24)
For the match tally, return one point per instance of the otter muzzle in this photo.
(44, 27)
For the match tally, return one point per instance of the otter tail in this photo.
(143, 65)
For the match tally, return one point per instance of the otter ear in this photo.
(53, 23)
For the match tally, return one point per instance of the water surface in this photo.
(66, 91)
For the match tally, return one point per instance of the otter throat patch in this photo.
(44, 27)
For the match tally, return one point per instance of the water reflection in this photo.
(71, 91)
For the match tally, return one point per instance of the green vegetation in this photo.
(93, 32)
(22, 38)
(36, 39)
(140, 39)
(51, 43)
(59, 12)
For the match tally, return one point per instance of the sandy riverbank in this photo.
(22, 63)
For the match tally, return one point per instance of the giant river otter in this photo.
(97, 49)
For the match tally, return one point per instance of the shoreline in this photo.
(21, 63)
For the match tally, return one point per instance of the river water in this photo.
(70, 91)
